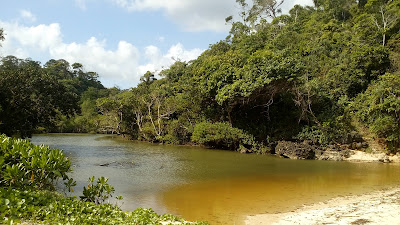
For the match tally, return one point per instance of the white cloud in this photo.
(81, 4)
(27, 15)
(119, 67)
(158, 61)
(120, 64)
(287, 5)
(197, 15)
(22, 40)
(193, 15)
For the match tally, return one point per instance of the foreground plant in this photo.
(99, 192)
(28, 177)
(25, 165)
(48, 207)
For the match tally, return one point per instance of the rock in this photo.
(334, 154)
(359, 145)
(294, 150)
(384, 159)
(395, 158)
(245, 150)
(331, 155)
(318, 153)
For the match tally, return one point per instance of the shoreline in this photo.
(376, 156)
(360, 156)
(378, 207)
(355, 156)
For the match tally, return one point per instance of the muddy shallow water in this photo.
(221, 187)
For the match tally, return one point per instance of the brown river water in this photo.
(220, 187)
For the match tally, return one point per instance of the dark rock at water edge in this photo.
(309, 150)
(296, 150)
(334, 153)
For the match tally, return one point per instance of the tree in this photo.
(1, 35)
(174, 72)
(379, 108)
(268, 8)
(384, 16)
(61, 69)
(113, 109)
(317, 3)
(148, 78)
(339, 9)
(29, 97)
(259, 11)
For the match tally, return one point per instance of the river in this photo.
(218, 186)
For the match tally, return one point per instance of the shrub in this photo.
(220, 135)
(325, 133)
(99, 192)
(24, 165)
(31, 171)
(45, 207)
(379, 108)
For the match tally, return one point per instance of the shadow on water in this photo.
(218, 186)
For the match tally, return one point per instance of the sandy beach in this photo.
(380, 207)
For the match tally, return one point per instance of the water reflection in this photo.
(219, 186)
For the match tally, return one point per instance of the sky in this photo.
(118, 39)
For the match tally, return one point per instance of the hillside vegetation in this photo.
(317, 73)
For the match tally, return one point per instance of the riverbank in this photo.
(361, 156)
(380, 207)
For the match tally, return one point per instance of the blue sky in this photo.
(119, 39)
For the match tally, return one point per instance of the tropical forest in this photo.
(323, 77)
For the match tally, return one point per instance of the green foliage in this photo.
(220, 135)
(24, 165)
(292, 77)
(1, 35)
(99, 192)
(148, 78)
(379, 108)
(323, 134)
(29, 171)
(289, 78)
(46, 207)
(33, 96)
(29, 97)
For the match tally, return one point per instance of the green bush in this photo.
(379, 108)
(178, 132)
(47, 207)
(99, 192)
(170, 139)
(24, 165)
(29, 174)
(220, 135)
(325, 133)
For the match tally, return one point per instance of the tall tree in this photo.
(61, 69)
(268, 8)
(385, 16)
(29, 97)
(148, 78)
(1, 35)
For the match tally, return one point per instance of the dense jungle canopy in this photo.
(315, 74)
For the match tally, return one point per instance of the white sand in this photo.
(381, 207)
(360, 156)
